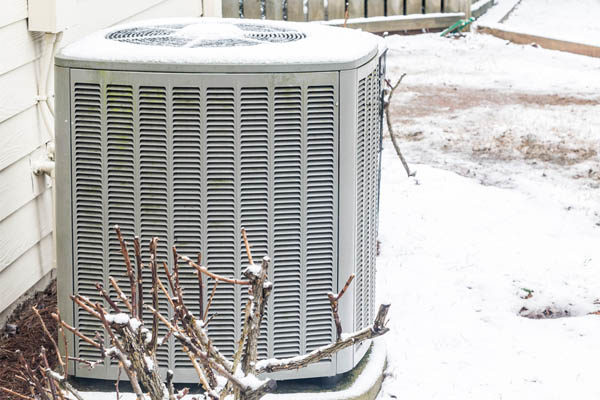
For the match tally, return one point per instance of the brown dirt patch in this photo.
(28, 339)
(556, 153)
(449, 99)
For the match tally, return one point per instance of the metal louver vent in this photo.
(196, 35)
(88, 222)
(192, 164)
(367, 193)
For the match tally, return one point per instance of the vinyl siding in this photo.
(26, 200)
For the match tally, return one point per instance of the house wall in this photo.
(26, 242)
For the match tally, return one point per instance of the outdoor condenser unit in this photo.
(188, 130)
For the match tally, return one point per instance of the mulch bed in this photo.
(28, 338)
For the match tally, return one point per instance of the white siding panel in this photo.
(18, 185)
(19, 46)
(26, 271)
(170, 8)
(19, 90)
(92, 15)
(24, 228)
(12, 11)
(20, 135)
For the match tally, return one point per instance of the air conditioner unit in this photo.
(188, 130)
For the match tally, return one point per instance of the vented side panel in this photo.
(154, 191)
(254, 185)
(320, 214)
(191, 161)
(120, 175)
(367, 193)
(187, 189)
(222, 233)
(88, 215)
(287, 250)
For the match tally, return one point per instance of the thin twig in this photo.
(377, 329)
(81, 302)
(390, 126)
(76, 332)
(154, 268)
(110, 301)
(61, 363)
(120, 293)
(210, 299)
(200, 287)
(333, 301)
(248, 252)
(7, 390)
(139, 266)
(62, 334)
(118, 381)
(132, 283)
(216, 277)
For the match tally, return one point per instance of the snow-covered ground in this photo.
(506, 200)
(575, 20)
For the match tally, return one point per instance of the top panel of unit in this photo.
(221, 45)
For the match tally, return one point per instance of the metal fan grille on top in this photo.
(174, 35)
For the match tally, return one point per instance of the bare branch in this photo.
(103, 293)
(154, 268)
(200, 287)
(61, 362)
(7, 390)
(333, 301)
(62, 334)
(248, 252)
(260, 292)
(371, 332)
(210, 299)
(120, 354)
(132, 283)
(85, 305)
(170, 386)
(76, 332)
(390, 126)
(216, 277)
(120, 294)
(139, 266)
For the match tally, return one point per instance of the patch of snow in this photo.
(134, 324)
(489, 62)
(119, 319)
(252, 381)
(149, 363)
(573, 20)
(254, 269)
(456, 273)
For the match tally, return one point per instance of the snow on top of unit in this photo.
(223, 41)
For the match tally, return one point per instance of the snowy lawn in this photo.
(574, 20)
(505, 141)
